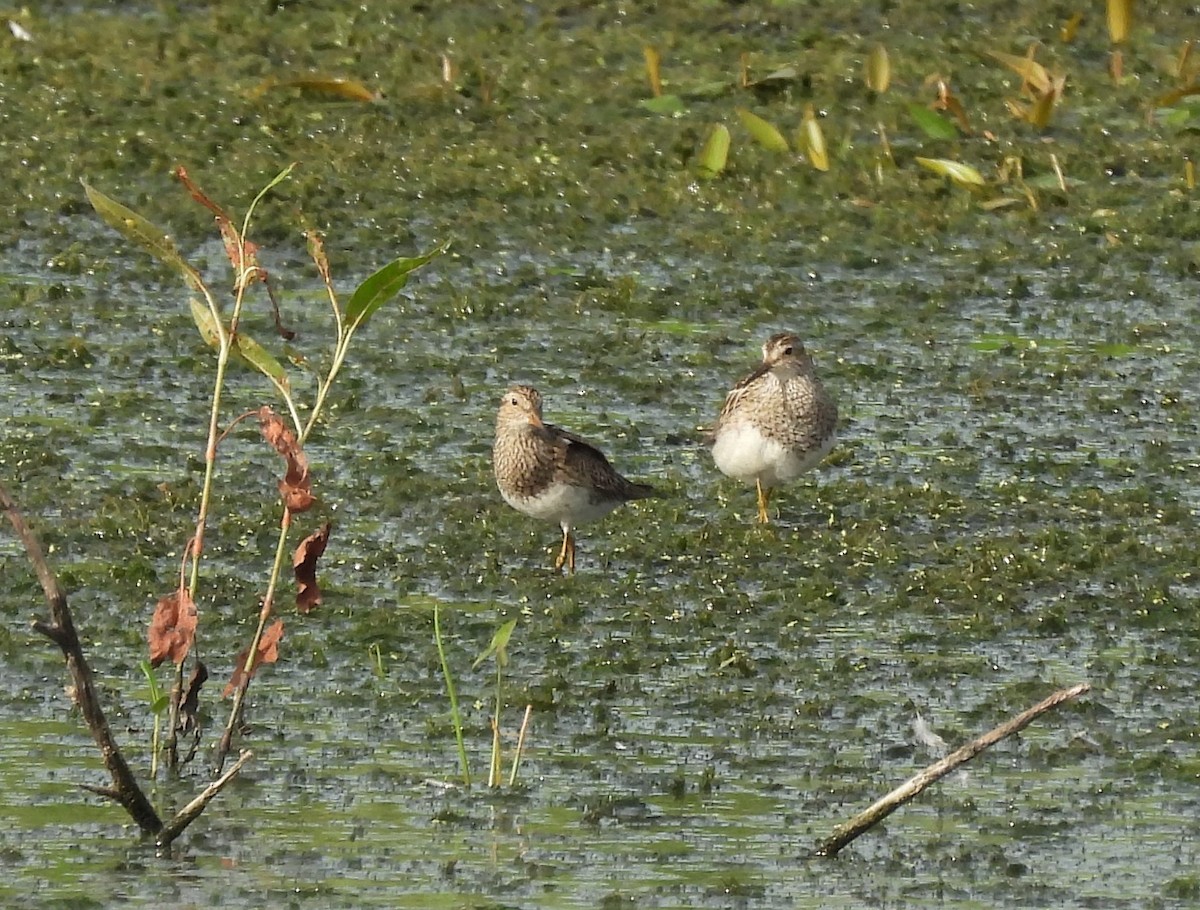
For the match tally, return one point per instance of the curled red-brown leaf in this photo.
(242, 253)
(296, 486)
(172, 628)
(304, 564)
(267, 653)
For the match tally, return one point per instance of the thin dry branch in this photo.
(882, 808)
(61, 631)
(192, 810)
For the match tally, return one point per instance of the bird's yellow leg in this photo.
(764, 498)
(562, 554)
(571, 554)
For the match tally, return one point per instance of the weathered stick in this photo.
(192, 810)
(882, 808)
(61, 631)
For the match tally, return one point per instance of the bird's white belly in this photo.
(563, 504)
(743, 452)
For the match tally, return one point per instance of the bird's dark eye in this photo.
(787, 351)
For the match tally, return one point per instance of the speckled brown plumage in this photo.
(777, 422)
(552, 474)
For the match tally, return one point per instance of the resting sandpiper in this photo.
(549, 473)
(777, 423)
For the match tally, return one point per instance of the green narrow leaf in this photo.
(932, 124)
(136, 228)
(714, 154)
(962, 174)
(158, 698)
(245, 348)
(763, 132)
(385, 284)
(203, 318)
(261, 359)
(499, 643)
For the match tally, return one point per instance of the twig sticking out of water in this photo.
(882, 808)
(192, 810)
(61, 631)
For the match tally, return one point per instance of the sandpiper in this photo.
(549, 473)
(777, 422)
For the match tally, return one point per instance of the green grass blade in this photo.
(455, 716)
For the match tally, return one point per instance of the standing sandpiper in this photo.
(777, 423)
(551, 474)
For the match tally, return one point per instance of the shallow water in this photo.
(1012, 507)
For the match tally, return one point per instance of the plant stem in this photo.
(456, 718)
(512, 777)
(239, 695)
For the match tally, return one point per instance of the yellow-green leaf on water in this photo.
(1001, 202)
(932, 124)
(763, 132)
(1120, 17)
(714, 154)
(664, 104)
(653, 69)
(961, 174)
(878, 69)
(136, 228)
(1040, 112)
(1027, 68)
(332, 86)
(1070, 28)
(812, 140)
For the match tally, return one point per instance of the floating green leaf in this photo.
(1120, 17)
(653, 69)
(763, 132)
(962, 174)
(663, 104)
(714, 154)
(932, 124)
(385, 284)
(136, 228)
(1030, 71)
(812, 140)
(878, 69)
(330, 86)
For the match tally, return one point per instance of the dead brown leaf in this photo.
(267, 653)
(304, 564)
(172, 628)
(242, 253)
(296, 486)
